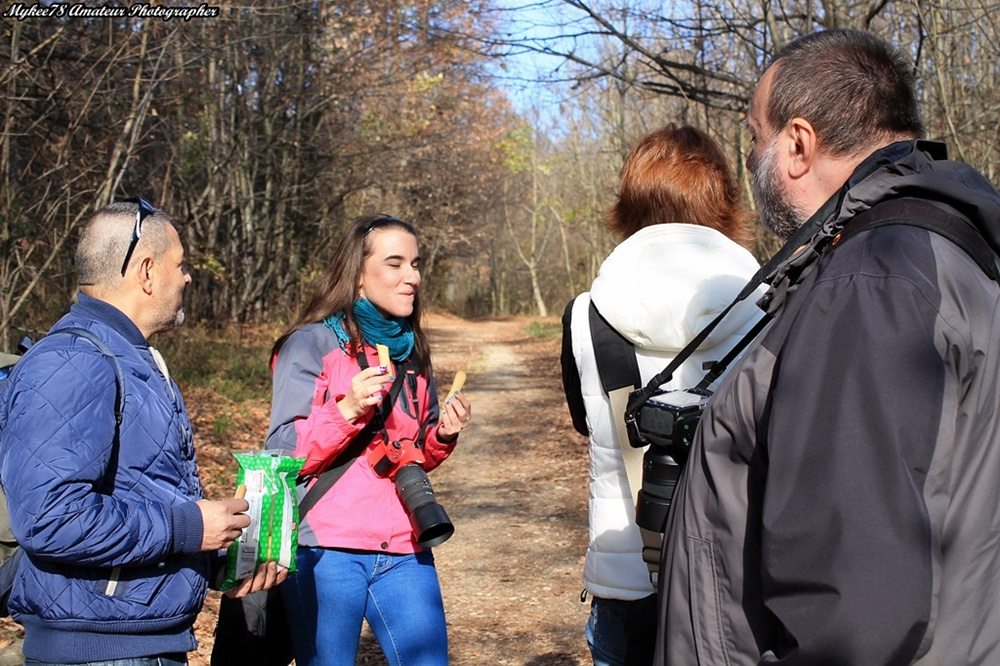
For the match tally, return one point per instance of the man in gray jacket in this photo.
(841, 503)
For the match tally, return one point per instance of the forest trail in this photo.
(516, 490)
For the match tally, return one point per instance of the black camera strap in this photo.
(406, 370)
(720, 366)
(357, 445)
(768, 272)
(640, 396)
(798, 256)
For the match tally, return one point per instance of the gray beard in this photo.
(170, 320)
(777, 214)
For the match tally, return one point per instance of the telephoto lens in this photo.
(660, 473)
(427, 516)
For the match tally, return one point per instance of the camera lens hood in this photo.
(432, 525)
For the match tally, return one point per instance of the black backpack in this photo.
(10, 553)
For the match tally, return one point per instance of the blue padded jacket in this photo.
(111, 533)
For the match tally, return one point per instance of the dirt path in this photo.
(516, 490)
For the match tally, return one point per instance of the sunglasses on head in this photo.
(144, 211)
(387, 220)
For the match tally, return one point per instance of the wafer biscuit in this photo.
(456, 385)
(384, 360)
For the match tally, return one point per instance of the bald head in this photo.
(105, 239)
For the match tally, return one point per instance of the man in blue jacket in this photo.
(120, 543)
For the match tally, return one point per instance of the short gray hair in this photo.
(854, 88)
(105, 239)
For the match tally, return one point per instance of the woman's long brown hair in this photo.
(337, 288)
(679, 174)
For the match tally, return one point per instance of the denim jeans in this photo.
(163, 660)
(606, 631)
(399, 596)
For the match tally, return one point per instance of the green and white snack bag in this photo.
(269, 479)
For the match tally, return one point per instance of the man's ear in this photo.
(145, 275)
(802, 147)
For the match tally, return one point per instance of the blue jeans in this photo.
(399, 596)
(163, 660)
(606, 631)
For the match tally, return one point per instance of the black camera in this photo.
(428, 517)
(401, 461)
(666, 422)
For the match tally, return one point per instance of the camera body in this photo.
(665, 422)
(668, 419)
(402, 461)
(387, 458)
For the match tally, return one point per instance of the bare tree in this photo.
(262, 131)
(707, 56)
(62, 113)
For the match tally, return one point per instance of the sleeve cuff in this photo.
(218, 564)
(188, 528)
(445, 440)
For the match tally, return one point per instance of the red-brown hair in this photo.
(679, 174)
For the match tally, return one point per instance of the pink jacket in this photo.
(361, 511)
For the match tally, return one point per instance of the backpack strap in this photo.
(355, 448)
(615, 355)
(119, 389)
(933, 217)
(619, 372)
(25, 344)
(106, 351)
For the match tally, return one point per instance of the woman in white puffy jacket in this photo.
(683, 258)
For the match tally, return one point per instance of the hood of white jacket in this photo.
(664, 283)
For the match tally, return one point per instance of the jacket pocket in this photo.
(136, 586)
(148, 597)
(706, 614)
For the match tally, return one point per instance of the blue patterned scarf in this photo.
(395, 333)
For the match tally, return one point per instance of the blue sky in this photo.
(532, 21)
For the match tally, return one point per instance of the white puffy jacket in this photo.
(658, 288)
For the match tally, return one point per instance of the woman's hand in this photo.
(455, 416)
(268, 575)
(367, 390)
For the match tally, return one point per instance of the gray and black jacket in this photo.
(841, 504)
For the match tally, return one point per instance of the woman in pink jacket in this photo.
(364, 547)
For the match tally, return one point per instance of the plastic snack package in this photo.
(269, 480)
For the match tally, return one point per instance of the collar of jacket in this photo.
(812, 239)
(95, 308)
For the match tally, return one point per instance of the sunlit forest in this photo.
(264, 130)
